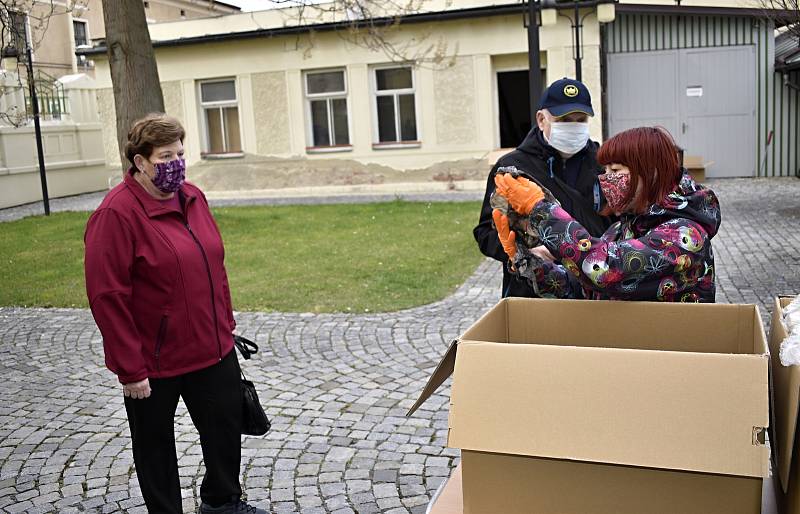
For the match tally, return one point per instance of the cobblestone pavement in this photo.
(336, 387)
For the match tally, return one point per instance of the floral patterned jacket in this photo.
(664, 254)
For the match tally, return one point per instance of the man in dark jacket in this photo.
(558, 154)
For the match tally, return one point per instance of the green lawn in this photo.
(322, 258)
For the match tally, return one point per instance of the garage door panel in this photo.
(633, 74)
(704, 97)
(711, 137)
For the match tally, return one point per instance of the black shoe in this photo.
(237, 507)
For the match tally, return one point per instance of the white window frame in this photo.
(86, 30)
(309, 97)
(219, 105)
(376, 142)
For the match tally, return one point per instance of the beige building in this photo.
(263, 83)
(58, 29)
(71, 131)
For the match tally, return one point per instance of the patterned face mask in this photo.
(615, 187)
(169, 175)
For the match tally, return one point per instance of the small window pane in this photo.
(386, 128)
(340, 130)
(329, 82)
(214, 125)
(232, 129)
(394, 78)
(79, 28)
(319, 123)
(18, 29)
(218, 91)
(408, 118)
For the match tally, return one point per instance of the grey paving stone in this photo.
(335, 385)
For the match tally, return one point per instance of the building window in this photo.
(221, 116)
(326, 94)
(81, 36)
(147, 5)
(395, 108)
(17, 24)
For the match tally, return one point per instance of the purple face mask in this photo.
(169, 175)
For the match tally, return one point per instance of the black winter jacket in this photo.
(544, 164)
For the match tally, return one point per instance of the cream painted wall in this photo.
(455, 103)
(271, 109)
(456, 106)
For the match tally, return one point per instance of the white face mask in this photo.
(568, 137)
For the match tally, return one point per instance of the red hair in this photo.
(652, 156)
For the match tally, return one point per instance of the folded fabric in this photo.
(790, 347)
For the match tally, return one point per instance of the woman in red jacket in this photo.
(159, 294)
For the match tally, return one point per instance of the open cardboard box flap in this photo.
(786, 397)
(560, 379)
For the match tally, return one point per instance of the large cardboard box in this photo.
(784, 435)
(449, 498)
(696, 166)
(593, 407)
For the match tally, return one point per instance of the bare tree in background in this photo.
(17, 16)
(371, 24)
(134, 75)
(784, 13)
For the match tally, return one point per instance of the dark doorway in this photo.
(515, 107)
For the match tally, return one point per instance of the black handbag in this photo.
(254, 419)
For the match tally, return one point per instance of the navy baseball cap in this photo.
(566, 96)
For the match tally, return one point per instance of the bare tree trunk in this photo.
(137, 90)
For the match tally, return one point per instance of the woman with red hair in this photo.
(659, 250)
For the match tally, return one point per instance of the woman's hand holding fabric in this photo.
(137, 390)
(521, 193)
(508, 238)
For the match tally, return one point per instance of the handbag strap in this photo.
(246, 347)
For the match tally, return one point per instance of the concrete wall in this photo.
(159, 11)
(73, 150)
(51, 31)
(74, 162)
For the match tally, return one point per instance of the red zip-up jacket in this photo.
(156, 283)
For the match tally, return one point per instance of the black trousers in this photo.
(214, 400)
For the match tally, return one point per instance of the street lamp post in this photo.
(576, 50)
(534, 61)
(37, 127)
(576, 21)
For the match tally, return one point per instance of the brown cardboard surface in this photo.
(644, 389)
(450, 501)
(634, 407)
(522, 485)
(704, 328)
(696, 166)
(786, 395)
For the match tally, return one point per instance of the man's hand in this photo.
(507, 237)
(521, 193)
(137, 390)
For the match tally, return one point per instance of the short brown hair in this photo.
(652, 157)
(155, 129)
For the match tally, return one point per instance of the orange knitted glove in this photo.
(507, 237)
(521, 193)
